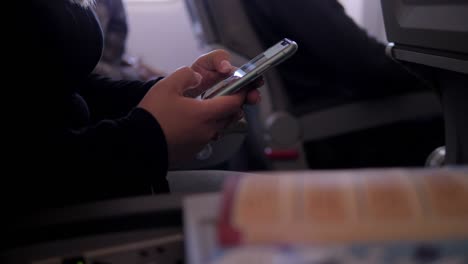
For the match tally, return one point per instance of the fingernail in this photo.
(225, 66)
(198, 77)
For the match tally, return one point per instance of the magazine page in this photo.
(404, 215)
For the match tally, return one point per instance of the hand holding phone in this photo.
(246, 74)
(253, 69)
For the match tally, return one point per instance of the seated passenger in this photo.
(72, 137)
(115, 63)
(338, 62)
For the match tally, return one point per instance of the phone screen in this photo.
(260, 59)
(244, 69)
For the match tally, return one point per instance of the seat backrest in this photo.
(224, 23)
(202, 22)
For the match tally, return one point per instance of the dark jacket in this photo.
(73, 136)
(336, 62)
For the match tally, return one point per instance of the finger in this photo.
(229, 124)
(182, 79)
(222, 124)
(252, 93)
(225, 67)
(226, 122)
(217, 60)
(192, 92)
(231, 120)
(253, 97)
(222, 107)
(257, 83)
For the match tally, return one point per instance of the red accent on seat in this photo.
(287, 154)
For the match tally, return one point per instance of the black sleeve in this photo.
(113, 159)
(108, 98)
(123, 144)
(336, 40)
(56, 154)
(61, 165)
(128, 152)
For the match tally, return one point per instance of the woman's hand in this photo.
(188, 124)
(215, 67)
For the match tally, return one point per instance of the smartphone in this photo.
(253, 69)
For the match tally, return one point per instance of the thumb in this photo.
(223, 106)
(181, 80)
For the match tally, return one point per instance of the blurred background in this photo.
(151, 37)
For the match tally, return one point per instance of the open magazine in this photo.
(348, 216)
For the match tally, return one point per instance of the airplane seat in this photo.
(281, 128)
(431, 38)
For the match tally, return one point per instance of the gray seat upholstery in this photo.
(224, 24)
